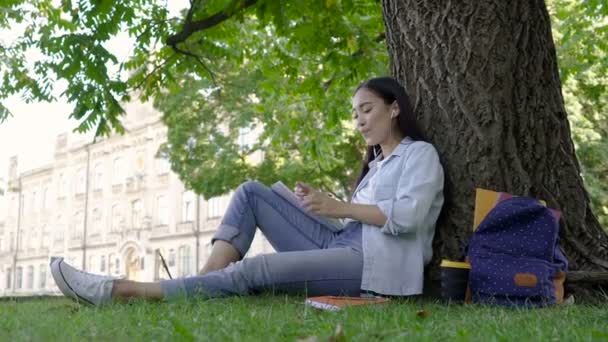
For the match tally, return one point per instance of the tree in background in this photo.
(483, 76)
(580, 29)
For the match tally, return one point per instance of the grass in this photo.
(285, 318)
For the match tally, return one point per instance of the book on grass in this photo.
(282, 190)
(334, 303)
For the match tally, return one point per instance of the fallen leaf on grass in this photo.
(423, 313)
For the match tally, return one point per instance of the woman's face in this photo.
(372, 116)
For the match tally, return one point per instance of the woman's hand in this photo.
(316, 201)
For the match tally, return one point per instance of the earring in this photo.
(394, 114)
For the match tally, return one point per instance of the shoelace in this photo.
(86, 277)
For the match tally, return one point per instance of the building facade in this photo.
(108, 207)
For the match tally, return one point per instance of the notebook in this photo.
(333, 303)
(282, 190)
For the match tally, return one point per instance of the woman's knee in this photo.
(252, 187)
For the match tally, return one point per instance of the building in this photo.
(108, 207)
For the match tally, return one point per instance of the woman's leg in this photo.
(222, 254)
(334, 271)
(286, 227)
(125, 289)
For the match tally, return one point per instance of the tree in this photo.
(483, 76)
(581, 34)
(486, 86)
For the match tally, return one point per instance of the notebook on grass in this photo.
(334, 303)
(282, 190)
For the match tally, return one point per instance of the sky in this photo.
(32, 130)
(30, 133)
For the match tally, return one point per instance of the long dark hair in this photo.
(390, 91)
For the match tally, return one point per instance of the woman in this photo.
(382, 249)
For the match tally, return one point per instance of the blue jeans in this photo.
(311, 258)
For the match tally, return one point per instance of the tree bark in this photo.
(484, 82)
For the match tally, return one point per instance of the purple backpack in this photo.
(515, 256)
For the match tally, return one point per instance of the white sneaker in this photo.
(81, 286)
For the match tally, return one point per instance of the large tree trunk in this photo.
(484, 80)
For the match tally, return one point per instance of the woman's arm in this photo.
(419, 187)
(366, 213)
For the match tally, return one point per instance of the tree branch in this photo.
(191, 27)
(198, 59)
(156, 68)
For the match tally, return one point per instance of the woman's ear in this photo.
(394, 109)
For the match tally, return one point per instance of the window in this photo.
(214, 207)
(9, 275)
(102, 264)
(32, 241)
(92, 265)
(96, 221)
(184, 260)
(140, 161)
(61, 185)
(98, 176)
(112, 263)
(59, 230)
(42, 276)
(163, 165)
(118, 175)
(44, 236)
(46, 199)
(117, 270)
(19, 278)
(33, 205)
(116, 217)
(187, 206)
(171, 260)
(80, 181)
(163, 210)
(77, 224)
(30, 277)
(137, 213)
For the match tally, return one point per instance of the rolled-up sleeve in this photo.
(419, 185)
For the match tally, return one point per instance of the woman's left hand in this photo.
(318, 202)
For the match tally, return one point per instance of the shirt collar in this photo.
(397, 152)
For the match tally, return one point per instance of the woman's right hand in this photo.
(302, 189)
(318, 202)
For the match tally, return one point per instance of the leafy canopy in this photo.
(221, 67)
(283, 68)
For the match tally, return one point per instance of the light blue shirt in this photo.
(407, 186)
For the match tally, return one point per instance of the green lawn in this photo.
(286, 318)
